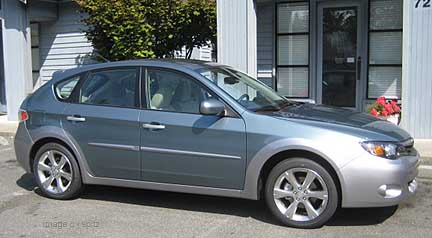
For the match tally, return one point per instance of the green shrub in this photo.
(134, 29)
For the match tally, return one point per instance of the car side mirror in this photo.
(231, 80)
(212, 107)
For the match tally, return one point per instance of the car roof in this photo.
(179, 64)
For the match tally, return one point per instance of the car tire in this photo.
(292, 206)
(57, 172)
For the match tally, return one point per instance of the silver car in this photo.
(204, 128)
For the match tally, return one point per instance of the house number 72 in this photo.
(426, 3)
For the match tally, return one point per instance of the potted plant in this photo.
(386, 110)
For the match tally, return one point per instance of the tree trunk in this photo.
(189, 51)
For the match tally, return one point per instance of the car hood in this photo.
(341, 116)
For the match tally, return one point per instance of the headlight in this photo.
(386, 150)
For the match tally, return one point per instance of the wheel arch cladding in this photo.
(43, 141)
(296, 153)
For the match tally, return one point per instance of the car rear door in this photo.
(103, 120)
(181, 146)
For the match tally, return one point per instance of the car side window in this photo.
(175, 92)
(113, 87)
(64, 89)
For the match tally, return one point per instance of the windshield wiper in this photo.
(271, 108)
(268, 109)
(288, 104)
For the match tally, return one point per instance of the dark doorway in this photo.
(341, 52)
(339, 56)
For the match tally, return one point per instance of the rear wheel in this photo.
(301, 193)
(56, 171)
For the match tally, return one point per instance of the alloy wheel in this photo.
(54, 171)
(300, 194)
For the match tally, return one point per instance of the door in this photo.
(181, 146)
(341, 52)
(103, 120)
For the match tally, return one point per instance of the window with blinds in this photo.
(35, 51)
(292, 41)
(385, 49)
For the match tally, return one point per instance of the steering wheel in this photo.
(244, 97)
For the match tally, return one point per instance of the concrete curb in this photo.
(7, 134)
(426, 160)
(8, 128)
(424, 147)
(425, 173)
(425, 169)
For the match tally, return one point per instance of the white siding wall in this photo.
(237, 34)
(265, 42)
(17, 55)
(63, 45)
(417, 70)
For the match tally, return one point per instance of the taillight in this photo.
(23, 115)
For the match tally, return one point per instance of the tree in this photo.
(133, 29)
(196, 24)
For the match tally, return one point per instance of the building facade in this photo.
(340, 53)
(39, 37)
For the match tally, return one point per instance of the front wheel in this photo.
(301, 193)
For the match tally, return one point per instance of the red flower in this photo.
(389, 108)
(394, 105)
(385, 113)
(381, 100)
(374, 112)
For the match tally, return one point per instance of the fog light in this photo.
(390, 190)
(412, 186)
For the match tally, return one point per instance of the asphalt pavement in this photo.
(122, 212)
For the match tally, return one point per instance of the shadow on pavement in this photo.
(210, 204)
(227, 206)
(27, 182)
(180, 201)
(361, 216)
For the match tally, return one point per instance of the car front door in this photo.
(103, 120)
(181, 146)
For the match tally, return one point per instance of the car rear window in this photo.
(113, 87)
(64, 89)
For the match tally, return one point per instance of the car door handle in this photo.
(153, 126)
(75, 118)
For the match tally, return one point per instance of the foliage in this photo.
(197, 24)
(133, 29)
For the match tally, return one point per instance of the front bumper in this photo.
(370, 181)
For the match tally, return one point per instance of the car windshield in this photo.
(250, 93)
